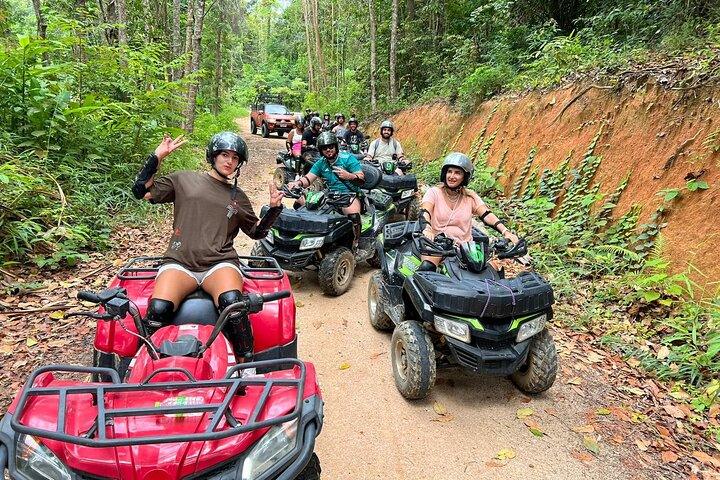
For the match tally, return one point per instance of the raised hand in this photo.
(169, 145)
(342, 173)
(276, 195)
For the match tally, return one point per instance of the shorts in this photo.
(198, 276)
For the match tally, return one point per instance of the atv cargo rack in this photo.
(254, 268)
(97, 435)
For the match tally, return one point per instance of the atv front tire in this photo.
(540, 369)
(109, 360)
(376, 303)
(413, 360)
(258, 250)
(281, 176)
(312, 469)
(253, 127)
(336, 271)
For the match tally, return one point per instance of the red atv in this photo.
(174, 404)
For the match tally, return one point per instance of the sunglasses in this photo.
(327, 147)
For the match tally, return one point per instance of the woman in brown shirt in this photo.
(209, 210)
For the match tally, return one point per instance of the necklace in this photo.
(456, 201)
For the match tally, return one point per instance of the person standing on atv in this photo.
(386, 148)
(295, 136)
(449, 207)
(311, 133)
(342, 174)
(209, 211)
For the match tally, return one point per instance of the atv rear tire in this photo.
(264, 130)
(281, 176)
(413, 360)
(336, 271)
(540, 369)
(312, 470)
(376, 303)
(253, 127)
(413, 209)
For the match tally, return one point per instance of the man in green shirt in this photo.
(342, 173)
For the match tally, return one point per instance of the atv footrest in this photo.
(97, 435)
(501, 361)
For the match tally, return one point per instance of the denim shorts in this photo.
(198, 276)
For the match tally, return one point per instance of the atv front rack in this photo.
(97, 435)
(254, 268)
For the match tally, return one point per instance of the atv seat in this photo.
(197, 308)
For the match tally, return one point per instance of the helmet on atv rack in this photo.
(387, 124)
(461, 161)
(315, 121)
(226, 141)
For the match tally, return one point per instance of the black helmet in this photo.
(352, 120)
(325, 139)
(226, 141)
(327, 115)
(315, 120)
(307, 110)
(459, 160)
(299, 119)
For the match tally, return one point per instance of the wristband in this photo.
(495, 227)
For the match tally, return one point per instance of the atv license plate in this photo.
(407, 194)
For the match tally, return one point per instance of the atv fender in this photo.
(419, 302)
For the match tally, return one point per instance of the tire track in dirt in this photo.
(371, 432)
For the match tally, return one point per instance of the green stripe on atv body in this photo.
(518, 321)
(474, 322)
(409, 265)
(296, 237)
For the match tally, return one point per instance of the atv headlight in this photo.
(531, 327)
(277, 442)
(453, 328)
(311, 243)
(36, 462)
(270, 237)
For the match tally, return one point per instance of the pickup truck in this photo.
(269, 115)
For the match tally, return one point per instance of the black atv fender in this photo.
(418, 300)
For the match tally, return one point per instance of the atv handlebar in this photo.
(88, 296)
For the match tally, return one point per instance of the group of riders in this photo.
(210, 208)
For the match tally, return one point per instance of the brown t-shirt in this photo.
(202, 232)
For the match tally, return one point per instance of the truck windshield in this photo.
(276, 109)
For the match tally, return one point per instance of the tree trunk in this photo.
(175, 35)
(393, 50)
(410, 10)
(217, 87)
(322, 77)
(373, 56)
(189, 35)
(40, 19)
(122, 21)
(199, 11)
(311, 70)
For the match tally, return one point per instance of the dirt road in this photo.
(371, 432)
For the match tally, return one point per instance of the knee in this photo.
(226, 299)
(159, 312)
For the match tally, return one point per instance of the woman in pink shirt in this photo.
(449, 207)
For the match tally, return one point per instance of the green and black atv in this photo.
(402, 188)
(317, 236)
(464, 314)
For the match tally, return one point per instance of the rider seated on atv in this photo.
(342, 173)
(353, 136)
(386, 148)
(449, 207)
(338, 124)
(311, 133)
(295, 137)
(326, 123)
(209, 211)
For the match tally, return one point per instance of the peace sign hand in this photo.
(169, 145)
(276, 195)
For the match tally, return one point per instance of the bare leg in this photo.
(222, 280)
(174, 285)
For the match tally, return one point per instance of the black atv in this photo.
(317, 236)
(464, 314)
(402, 188)
(291, 168)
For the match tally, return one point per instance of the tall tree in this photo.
(373, 56)
(40, 19)
(393, 50)
(195, 57)
(310, 61)
(190, 21)
(322, 77)
(122, 20)
(175, 36)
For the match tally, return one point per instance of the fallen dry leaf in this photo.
(575, 381)
(668, 456)
(505, 454)
(706, 459)
(57, 315)
(584, 429)
(582, 456)
(344, 366)
(662, 353)
(31, 342)
(674, 411)
(603, 411)
(534, 427)
(642, 445)
(591, 445)
(439, 408)
(524, 412)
